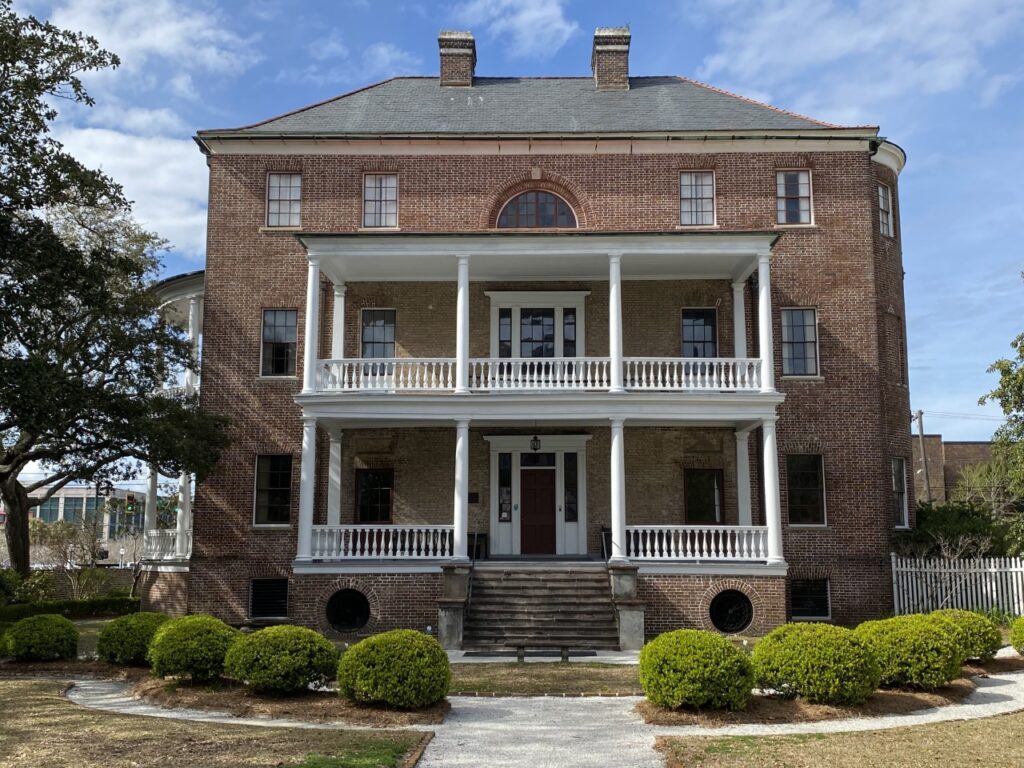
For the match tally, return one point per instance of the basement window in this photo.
(810, 599)
(268, 599)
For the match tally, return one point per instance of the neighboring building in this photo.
(489, 345)
(946, 461)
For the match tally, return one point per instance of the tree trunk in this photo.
(16, 503)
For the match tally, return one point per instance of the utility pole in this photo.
(919, 417)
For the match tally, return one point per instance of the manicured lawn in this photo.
(40, 727)
(545, 678)
(994, 741)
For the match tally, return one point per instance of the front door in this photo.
(537, 511)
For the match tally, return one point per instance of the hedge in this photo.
(126, 639)
(915, 651)
(282, 660)
(402, 668)
(979, 635)
(1017, 635)
(694, 668)
(46, 637)
(819, 662)
(71, 609)
(192, 646)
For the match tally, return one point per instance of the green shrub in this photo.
(38, 587)
(402, 668)
(1017, 635)
(913, 651)
(192, 646)
(72, 609)
(282, 659)
(980, 636)
(126, 640)
(819, 662)
(693, 668)
(10, 580)
(46, 637)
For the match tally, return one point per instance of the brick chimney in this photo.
(610, 59)
(458, 58)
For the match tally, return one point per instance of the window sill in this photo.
(284, 230)
(796, 226)
(903, 528)
(697, 227)
(277, 379)
(797, 377)
(272, 526)
(809, 526)
(363, 230)
(811, 618)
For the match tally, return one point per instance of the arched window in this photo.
(536, 209)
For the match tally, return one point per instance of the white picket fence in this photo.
(920, 585)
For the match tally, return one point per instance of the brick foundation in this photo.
(164, 592)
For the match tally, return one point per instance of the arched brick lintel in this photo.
(547, 182)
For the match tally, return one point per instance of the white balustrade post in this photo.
(191, 377)
(461, 496)
(739, 320)
(307, 489)
(312, 337)
(150, 521)
(338, 323)
(743, 477)
(462, 328)
(772, 500)
(184, 519)
(618, 478)
(615, 319)
(766, 348)
(334, 480)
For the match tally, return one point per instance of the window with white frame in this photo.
(279, 338)
(800, 342)
(700, 332)
(805, 485)
(284, 199)
(810, 599)
(380, 200)
(793, 197)
(697, 198)
(899, 492)
(378, 334)
(537, 324)
(885, 210)
(273, 489)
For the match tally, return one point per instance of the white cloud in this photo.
(376, 62)
(137, 120)
(181, 85)
(534, 28)
(998, 86)
(840, 62)
(330, 46)
(167, 179)
(388, 60)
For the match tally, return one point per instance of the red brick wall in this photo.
(164, 592)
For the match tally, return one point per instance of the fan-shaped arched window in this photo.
(536, 209)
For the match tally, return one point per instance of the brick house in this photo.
(550, 360)
(947, 460)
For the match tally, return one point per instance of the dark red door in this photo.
(537, 512)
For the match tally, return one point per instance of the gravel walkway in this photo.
(553, 732)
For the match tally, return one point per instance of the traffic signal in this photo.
(129, 503)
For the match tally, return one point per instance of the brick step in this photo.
(539, 589)
(481, 625)
(574, 612)
(598, 579)
(531, 641)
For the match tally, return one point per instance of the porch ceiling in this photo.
(400, 256)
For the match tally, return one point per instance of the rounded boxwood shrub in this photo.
(979, 635)
(282, 659)
(694, 668)
(914, 651)
(402, 668)
(126, 639)
(46, 637)
(1017, 635)
(819, 662)
(192, 646)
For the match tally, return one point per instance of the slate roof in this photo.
(408, 106)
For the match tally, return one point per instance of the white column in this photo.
(191, 378)
(312, 339)
(739, 320)
(743, 477)
(766, 348)
(307, 487)
(615, 319)
(618, 472)
(772, 500)
(334, 480)
(461, 496)
(338, 323)
(462, 328)
(150, 522)
(184, 519)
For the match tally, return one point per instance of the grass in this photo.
(41, 727)
(992, 742)
(537, 679)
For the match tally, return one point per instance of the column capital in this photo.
(764, 257)
(314, 261)
(618, 422)
(769, 421)
(462, 423)
(462, 258)
(309, 421)
(743, 432)
(614, 255)
(340, 289)
(738, 285)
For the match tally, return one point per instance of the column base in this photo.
(461, 391)
(777, 561)
(617, 391)
(618, 560)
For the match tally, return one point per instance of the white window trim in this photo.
(718, 340)
(905, 525)
(362, 206)
(892, 218)
(817, 345)
(282, 376)
(824, 495)
(714, 199)
(557, 300)
(828, 595)
(361, 326)
(266, 202)
(504, 205)
(255, 489)
(810, 191)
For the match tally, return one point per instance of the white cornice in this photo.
(891, 156)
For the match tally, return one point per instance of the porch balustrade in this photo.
(704, 543)
(676, 374)
(543, 374)
(387, 375)
(399, 542)
(162, 544)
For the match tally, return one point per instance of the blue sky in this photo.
(943, 78)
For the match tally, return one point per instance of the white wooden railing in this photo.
(388, 375)
(539, 373)
(692, 373)
(696, 542)
(162, 544)
(400, 542)
(921, 585)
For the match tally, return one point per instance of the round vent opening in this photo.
(731, 611)
(348, 610)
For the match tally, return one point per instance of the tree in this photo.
(72, 550)
(989, 486)
(1008, 442)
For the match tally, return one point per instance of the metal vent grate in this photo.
(268, 598)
